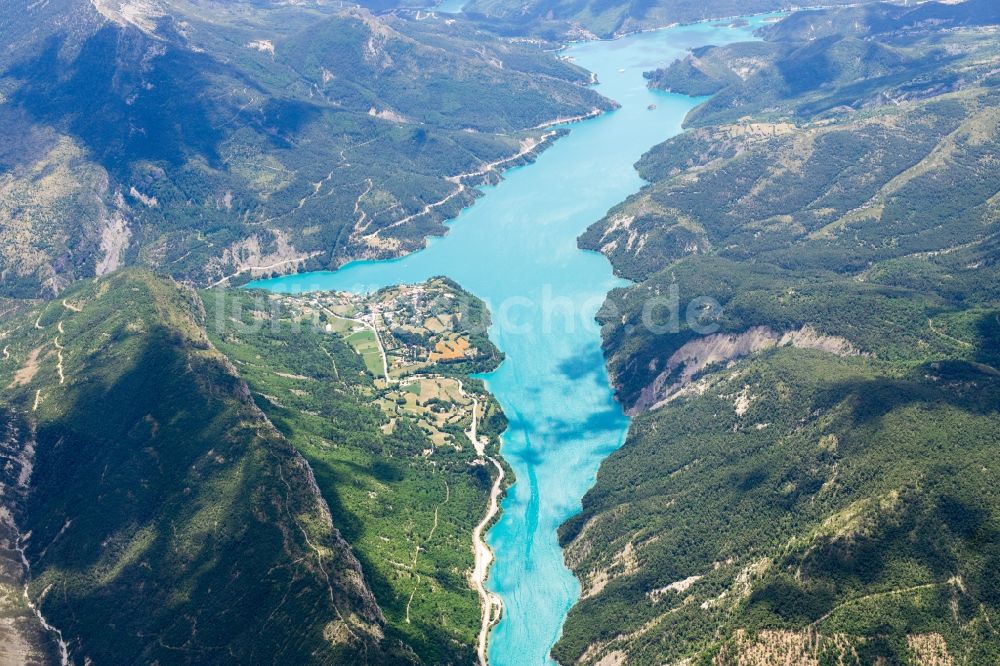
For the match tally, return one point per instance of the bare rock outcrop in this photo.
(694, 357)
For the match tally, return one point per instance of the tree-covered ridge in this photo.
(163, 516)
(211, 139)
(834, 199)
(813, 65)
(811, 479)
(836, 509)
(606, 19)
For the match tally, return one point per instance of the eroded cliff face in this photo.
(694, 357)
(25, 637)
(50, 179)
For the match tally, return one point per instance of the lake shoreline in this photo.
(517, 246)
(491, 174)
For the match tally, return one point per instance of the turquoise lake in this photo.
(516, 249)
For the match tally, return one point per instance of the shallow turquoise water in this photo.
(516, 249)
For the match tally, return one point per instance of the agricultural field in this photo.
(431, 335)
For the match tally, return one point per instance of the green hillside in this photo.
(810, 353)
(144, 466)
(190, 486)
(606, 19)
(407, 505)
(214, 140)
(816, 64)
(831, 508)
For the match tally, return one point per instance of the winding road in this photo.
(490, 604)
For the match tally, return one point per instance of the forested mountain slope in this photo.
(809, 476)
(144, 484)
(207, 138)
(612, 18)
(164, 516)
